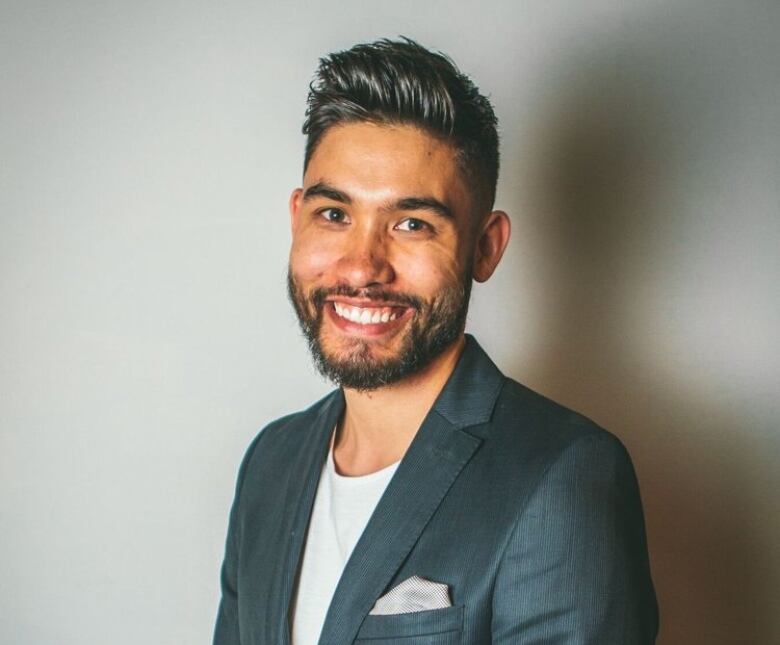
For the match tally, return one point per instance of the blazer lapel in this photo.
(313, 451)
(434, 460)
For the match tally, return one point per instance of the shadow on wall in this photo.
(614, 150)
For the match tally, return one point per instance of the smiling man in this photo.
(429, 499)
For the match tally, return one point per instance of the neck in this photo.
(379, 425)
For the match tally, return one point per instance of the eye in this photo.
(334, 215)
(413, 225)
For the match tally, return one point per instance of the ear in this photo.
(493, 236)
(295, 208)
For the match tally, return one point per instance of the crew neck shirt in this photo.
(342, 508)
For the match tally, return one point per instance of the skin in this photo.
(387, 208)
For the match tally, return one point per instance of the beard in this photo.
(435, 325)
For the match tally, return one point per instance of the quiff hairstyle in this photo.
(399, 82)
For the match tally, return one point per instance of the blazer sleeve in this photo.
(226, 631)
(576, 568)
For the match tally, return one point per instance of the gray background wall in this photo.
(148, 149)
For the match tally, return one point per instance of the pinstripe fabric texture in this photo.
(528, 512)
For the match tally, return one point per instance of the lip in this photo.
(371, 329)
(365, 302)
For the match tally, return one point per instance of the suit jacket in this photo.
(528, 511)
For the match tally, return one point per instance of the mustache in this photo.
(393, 298)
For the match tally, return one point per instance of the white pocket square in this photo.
(413, 594)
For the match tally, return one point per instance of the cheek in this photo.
(427, 272)
(311, 260)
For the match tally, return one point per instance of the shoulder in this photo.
(532, 440)
(572, 477)
(288, 428)
(286, 433)
(527, 419)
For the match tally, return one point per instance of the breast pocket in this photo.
(433, 627)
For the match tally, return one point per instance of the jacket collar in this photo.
(471, 391)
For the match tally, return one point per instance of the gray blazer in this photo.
(528, 511)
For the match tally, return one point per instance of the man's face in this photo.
(380, 265)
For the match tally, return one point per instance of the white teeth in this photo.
(364, 316)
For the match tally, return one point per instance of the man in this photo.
(429, 499)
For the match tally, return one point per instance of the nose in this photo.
(365, 260)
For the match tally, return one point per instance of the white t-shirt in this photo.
(342, 508)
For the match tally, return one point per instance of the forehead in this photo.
(381, 161)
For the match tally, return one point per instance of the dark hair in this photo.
(402, 82)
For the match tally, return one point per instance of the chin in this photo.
(361, 364)
(342, 350)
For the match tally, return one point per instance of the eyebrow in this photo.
(321, 189)
(426, 204)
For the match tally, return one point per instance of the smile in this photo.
(365, 315)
